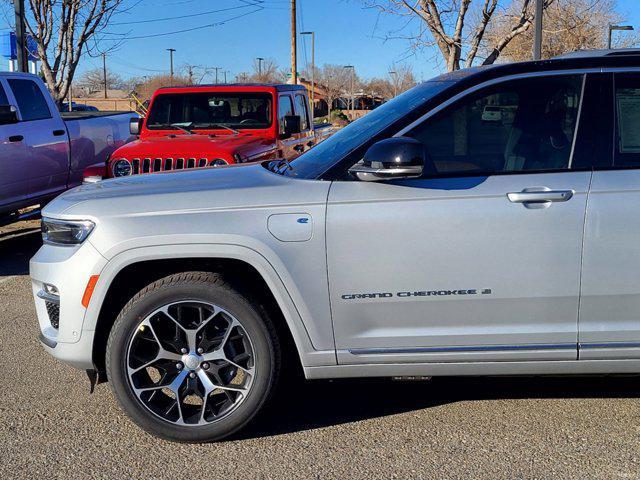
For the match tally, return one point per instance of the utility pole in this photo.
(21, 38)
(217, 69)
(104, 73)
(353, 95)
(313, 71)
(537, 39)
(294, 45)
(394, 76)
(171, 50)
(225, 75)
(260, 60)
(190, 73)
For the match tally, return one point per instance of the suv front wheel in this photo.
(192, 360)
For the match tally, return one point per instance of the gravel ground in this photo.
(50, 427)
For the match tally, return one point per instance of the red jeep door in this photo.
(294, 145)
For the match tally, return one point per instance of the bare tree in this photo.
(267, 71)
(457, 28)
(399, 79)
(93, 81)
(62, 30)
(336, 82)
(569, 25)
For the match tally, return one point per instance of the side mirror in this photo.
(392, 158)
(135, 125)
(8, 114)
(292, 125)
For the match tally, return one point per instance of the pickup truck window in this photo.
(627, 152)
(31, 102)
(301, 109)
(285, 108)
(3, 97)
(208, 110)
(504, 128)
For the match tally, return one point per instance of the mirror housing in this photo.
(292, 125)
(391, 159)
(135, 125)
(8, 114)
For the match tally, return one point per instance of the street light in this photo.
(616, 27)
(171, 50)
(353, 100)
(313, 71)
(393, 75)
(260, 60)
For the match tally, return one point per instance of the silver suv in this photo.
(423, 239)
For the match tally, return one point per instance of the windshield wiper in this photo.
(220, 125)
(184, 128)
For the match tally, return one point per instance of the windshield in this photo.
(208, 110)
(323, 156)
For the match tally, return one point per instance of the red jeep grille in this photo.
(150, 165)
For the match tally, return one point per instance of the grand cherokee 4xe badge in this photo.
(418, 293)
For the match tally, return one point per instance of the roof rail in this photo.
(614, 52)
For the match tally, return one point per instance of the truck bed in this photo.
(85, 115)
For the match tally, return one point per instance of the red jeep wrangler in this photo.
(215, 125)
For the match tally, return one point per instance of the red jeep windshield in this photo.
(208, 110)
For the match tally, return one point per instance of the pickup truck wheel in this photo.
(190, 359)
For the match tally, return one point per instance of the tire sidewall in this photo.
(263, 350)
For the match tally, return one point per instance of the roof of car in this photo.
(570, 61)
(280, 87)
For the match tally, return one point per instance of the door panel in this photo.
(45, 138)
(609, 321)
(454, 263)
(479, 260)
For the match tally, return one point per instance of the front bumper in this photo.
(69, 270)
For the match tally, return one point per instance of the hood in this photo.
(235, 186)
(189, 146)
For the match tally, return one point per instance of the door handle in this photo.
(16, 138)
(59, 133)
(540, 196)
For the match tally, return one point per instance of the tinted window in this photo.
(285, 108)
(627, 96)
(301, 109)
(210, 110)
(3, 97)
(31, 102)
(519, 125)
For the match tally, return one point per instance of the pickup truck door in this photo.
(480, 260)
(45, 137)
(14, 179)
(610, 305)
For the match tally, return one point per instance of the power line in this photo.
(210, 25)
(151, 20)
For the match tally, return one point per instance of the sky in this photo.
(230, 34)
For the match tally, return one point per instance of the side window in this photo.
(301, 108)
(285, 108)
(3, 97)
(519, 125)
(31, 102)
(627, 96)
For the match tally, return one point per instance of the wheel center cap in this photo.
(191, 361)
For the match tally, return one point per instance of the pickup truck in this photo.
(419, 240)
(43, 152)
(216, 125)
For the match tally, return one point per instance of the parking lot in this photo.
(448, 428)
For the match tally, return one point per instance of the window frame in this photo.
(472, 92)
(15, 98)
(305, 105)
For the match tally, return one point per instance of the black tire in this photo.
(205, 287)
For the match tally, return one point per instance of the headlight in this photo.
(65, 232)
(121, 168)
(218, 162)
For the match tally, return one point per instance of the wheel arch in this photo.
(249, 273)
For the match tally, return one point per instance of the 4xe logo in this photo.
(418, 293)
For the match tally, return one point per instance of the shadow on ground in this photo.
(325, 403)
(17, 246)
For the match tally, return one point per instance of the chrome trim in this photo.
(475, 348)
(488, 83)
(47, 297)
(610, 345)
(578, 121)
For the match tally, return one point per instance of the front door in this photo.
(14, 176)
(478, 260)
